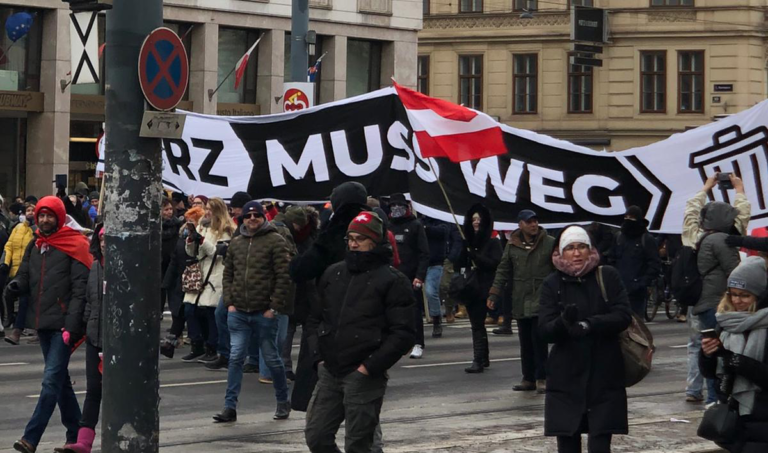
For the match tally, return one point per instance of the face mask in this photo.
(398, 211)
(22, 218)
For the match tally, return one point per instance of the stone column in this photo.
(333, 77)
(398, 60)
(203, 70)
(270, 72)
(48, 131)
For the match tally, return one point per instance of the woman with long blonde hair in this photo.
(207, 243)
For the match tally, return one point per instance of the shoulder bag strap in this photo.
(601, 283)
(208, 276)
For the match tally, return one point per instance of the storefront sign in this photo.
(87, 104)
(25, 101)
(238, 109)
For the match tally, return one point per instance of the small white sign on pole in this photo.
(298, 96)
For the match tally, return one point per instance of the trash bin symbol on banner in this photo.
(746, 155)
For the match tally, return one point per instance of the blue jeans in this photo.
(21, 317)
(242, 326)
(694, 382)
(57, 389)
(434, 274)
(282, 332)
(221, 326)
(707, 320)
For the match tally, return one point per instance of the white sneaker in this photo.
(708, 405)
(417, 352)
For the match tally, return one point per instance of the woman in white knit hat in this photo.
(585, 383)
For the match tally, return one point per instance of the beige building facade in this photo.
(50, 128)
(669, 65)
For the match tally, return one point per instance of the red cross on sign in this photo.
(163, 69)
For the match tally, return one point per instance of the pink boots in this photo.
(84, 443)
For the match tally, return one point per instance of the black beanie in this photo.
(239, 199)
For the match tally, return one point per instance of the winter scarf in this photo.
(69, 241)
(592, 261)
(735, 325)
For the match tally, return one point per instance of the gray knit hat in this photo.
(751, 276)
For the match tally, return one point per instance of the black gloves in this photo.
(734, 241)
(739, 364)
(570, 314)
(4, 268)
(12, 290)
(221, 249)
(579, 330)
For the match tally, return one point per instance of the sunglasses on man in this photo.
(252, 215)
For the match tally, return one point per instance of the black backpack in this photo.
(686, 281)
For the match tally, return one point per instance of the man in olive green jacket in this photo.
(256, 288)
(527, 261)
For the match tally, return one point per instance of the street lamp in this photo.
(78, 6)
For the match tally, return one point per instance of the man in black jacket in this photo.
(361, 328)
(636, 256)
(413, 248)
(54, 274)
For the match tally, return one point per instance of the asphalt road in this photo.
(431, 404)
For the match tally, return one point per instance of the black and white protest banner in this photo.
(302, 156)
(84, 41)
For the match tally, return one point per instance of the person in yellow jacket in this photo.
(21, 236)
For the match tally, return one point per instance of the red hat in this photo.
(368, 224)
(53, 205)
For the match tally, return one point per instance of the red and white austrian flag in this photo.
(445, 129)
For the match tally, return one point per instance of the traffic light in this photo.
(88, 5)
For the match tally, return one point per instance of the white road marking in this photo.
(428, 365)
(14, 364)
(679, 347)
(180, 384)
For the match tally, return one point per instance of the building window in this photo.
(525, 5)
(690, 89)
(20, 66)
(422, 81)
(363, 66)
(579, 89)
(671, 2)
(426, 7)
(653, 82)
(525, 70)
(470, 6)
(471, 81)
(589, 3)
(233, 44)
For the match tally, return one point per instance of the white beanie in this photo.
(573, 235)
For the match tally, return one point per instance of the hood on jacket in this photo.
(350, 192)
(718, 216)
(54, 205)
(486, 225)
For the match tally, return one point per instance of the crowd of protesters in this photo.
(360, 277)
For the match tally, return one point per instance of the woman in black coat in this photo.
(585, 376)
(483, 251)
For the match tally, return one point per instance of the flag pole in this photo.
(213, 92)
(447, 200)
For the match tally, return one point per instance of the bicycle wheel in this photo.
(672, 308)
(652, 305)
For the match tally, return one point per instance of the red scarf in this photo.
(69, 241)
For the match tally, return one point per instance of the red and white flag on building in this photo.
(445, 129)
(243, 63)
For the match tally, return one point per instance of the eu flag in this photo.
(17, 26)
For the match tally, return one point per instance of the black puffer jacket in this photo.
(485, 250)
(585, 376)
(93, 307)
(365, 316)
(637, 260)
(169, 237)
(56, 284)
(437, 239)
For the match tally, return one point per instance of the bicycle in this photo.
(660, 293)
